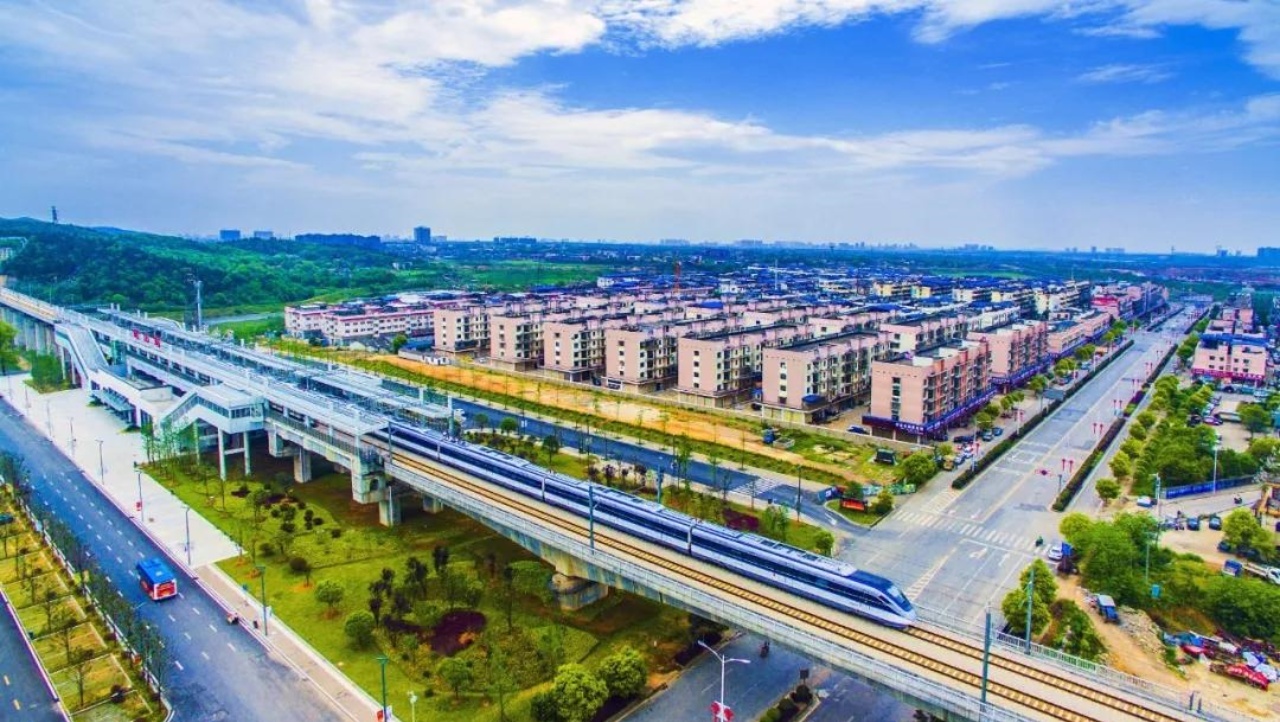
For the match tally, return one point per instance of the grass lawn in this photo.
(864, 518)
(354, 559)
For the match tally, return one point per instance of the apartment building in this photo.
(1238, 357)
(984, 316)
(642, 358)
(724, 367)
(911, 335)
(811, 379)
(1066, 335)
(925, 393)
(359, 321)
(515, 340)
(575, 347)
(1018, 351)
(462, 330)
(1056, 297)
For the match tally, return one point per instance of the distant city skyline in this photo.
(1140, 124)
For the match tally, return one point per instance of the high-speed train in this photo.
(831, 582)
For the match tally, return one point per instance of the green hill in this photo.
(73, 265)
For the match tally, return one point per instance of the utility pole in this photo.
(1031, 598)
(199, 304)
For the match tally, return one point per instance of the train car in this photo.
(831, 582)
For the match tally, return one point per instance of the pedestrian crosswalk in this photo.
(939, 503)
(1007, 540)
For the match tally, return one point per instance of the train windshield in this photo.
(896, 595)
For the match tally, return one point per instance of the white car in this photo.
(1055, 552)
(1145, 502)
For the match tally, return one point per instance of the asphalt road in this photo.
(23, 695)
(955, 552)
(219, 672)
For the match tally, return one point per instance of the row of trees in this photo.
(1121, 558)
(577, 693)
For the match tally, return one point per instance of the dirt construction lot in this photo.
(1134, 648)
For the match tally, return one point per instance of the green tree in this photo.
(8, 353)
(985, 419)
(823, 542)
(1121, 466)
(1046, 588)
(578, 693)
(1038, 384)
(854, 490)
(1241, 529)
(359, 628)
(551, 445)
(945, 449)
(883, 503)
(456, 673)
(544, 708)
(1264, 449)
(624, 673)
(330, 593)
(1108, 489)
(1014, 608)
(509, 425)
(1255, 418)
(1146, 420)
(918, 468)
(398, 342)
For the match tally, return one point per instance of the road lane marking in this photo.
(213, 629)
(187, 635)
(229, 644)
(178, 664)
(172, 618)
(197, 611)
(6, 680)
(17, 705)
(119, 560)
(206, 657)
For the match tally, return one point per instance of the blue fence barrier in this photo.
(1206, 487)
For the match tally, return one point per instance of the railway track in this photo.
(897, 651)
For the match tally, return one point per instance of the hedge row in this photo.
(963, 478)
(1077, 479)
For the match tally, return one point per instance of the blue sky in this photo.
(1024, 123)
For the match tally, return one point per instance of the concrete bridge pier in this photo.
(431, 505)
(224, 451)
(389, 507)
(301, 466)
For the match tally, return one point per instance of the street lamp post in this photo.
(1031, 598)
(413, 709)
(382, 662)
(186, 512)
(102, 468)
(262, 576)
(71, 426)
(141, 518)
(723, 662)
(1217, 444)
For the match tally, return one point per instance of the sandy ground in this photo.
(1134, 649)
(740, 433)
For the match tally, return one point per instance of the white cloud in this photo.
(1121, 73)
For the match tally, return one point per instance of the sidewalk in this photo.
(95, 440)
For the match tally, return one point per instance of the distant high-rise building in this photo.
(1270, 253)
(229, 234)
(264, 235)
(422, 234)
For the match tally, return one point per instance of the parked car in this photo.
(855, 429)
(1055, 552)
(1224, 546)
(1193, 523)
(997, 430)
(1144, 501)
(1215, 522)
(1213, 421)
(963, 439)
